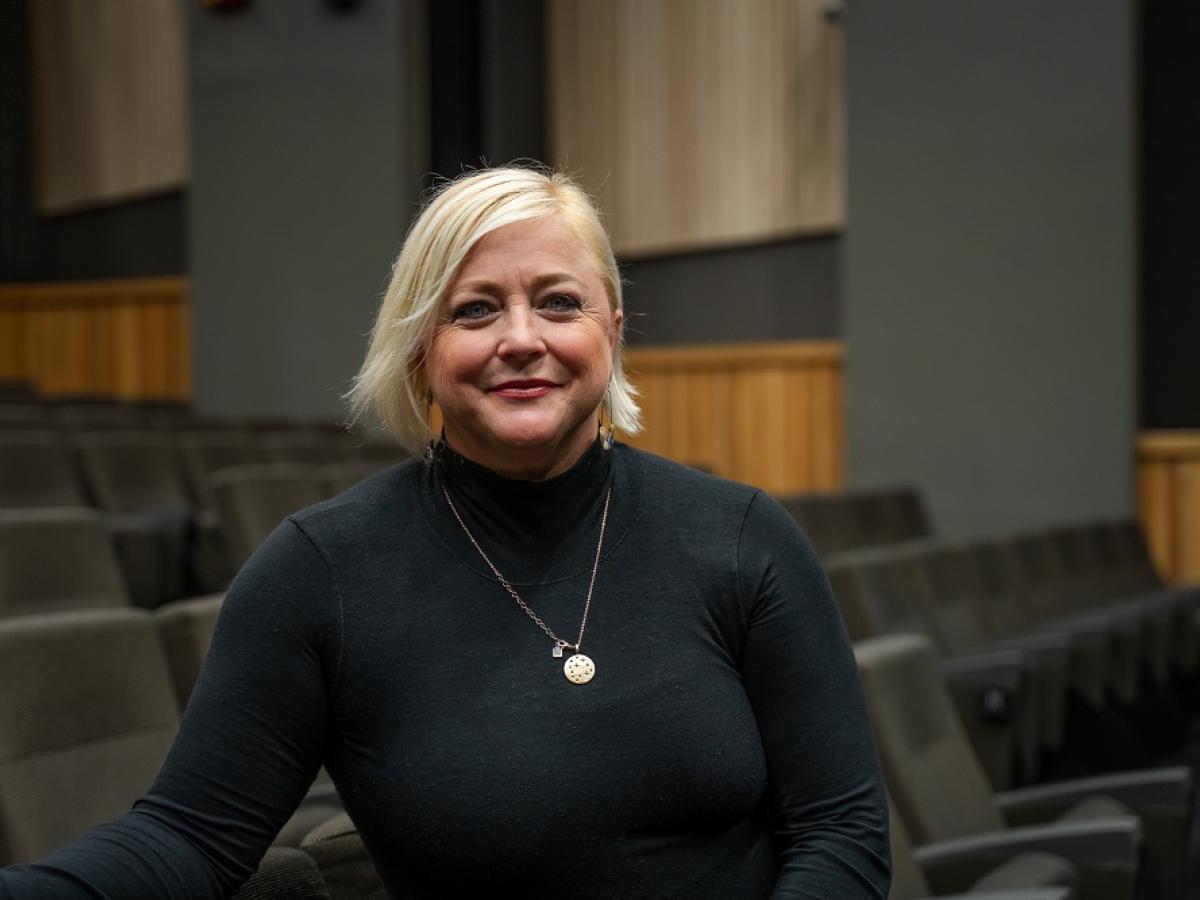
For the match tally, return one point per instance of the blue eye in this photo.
(561, 303)
(475, 309)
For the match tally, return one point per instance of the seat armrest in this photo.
(1109, 842)
(1165, 789)
(1046, 893)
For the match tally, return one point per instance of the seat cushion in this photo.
(1027, 870)
(1098, 807)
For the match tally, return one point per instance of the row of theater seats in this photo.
(171, 497)
(1020, 659)
(1066, 652)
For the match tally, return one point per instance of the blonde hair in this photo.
(392, 381)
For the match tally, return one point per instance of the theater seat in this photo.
(343, 860)
(253, 500)
(1024, 876)
(36, 470)
(56, 559)
(942, 794)
(87, 715)
(285, 873)
(186, 628)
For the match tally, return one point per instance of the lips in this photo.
(523, 389)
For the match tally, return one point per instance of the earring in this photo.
(606, 428)
(431, 444)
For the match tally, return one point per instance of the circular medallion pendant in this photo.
(579, 669)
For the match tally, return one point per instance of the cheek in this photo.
(456, 357)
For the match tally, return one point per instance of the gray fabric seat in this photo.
(828, 519)
(135, 478)
(285, 873)
(1025, 875)
(942, 794)
(883, 590)
(87, 715)
(186, 628)
(253, 500)
(203, 452)
(57, 559)
(343, 860)
(36, 469)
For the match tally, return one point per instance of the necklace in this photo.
(578, 668)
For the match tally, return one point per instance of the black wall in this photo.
(1170, 182)
(144, 237)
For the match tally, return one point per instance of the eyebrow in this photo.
(491, 287)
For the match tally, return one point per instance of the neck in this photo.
(526, 464)
(528, 527)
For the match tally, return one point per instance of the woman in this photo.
(533, 660)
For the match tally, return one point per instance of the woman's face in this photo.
(522, 350)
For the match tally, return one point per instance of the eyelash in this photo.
(461, 312)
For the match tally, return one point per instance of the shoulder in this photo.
(383, 502)
(759, 517)
(668, 478)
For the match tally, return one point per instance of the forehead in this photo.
(526, 249)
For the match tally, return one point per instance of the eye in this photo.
(561, 303)
(472, 310)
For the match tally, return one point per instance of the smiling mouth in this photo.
(523, 390)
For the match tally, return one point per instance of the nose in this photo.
(521, 338)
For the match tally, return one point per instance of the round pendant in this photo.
(579, 669)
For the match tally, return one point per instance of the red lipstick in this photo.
(523, 389)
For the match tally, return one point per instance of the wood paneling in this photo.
(699, 123)
(109, 100)
(1168, 465)
(125, 338)
(768, 414)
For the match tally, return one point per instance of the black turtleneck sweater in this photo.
(721, 751)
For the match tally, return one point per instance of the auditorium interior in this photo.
(921, 271)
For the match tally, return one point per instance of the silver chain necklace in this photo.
(578, 668)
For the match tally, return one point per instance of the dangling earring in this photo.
(431, 444)
(606, 428)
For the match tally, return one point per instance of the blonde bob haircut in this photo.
(392, 381)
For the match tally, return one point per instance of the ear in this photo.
(614, 334)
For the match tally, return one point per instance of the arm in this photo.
(825, 793)
(249, 745)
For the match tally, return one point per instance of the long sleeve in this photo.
(826, 799)
(249, 745)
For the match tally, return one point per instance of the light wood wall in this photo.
(699, 123)
(109, 100)
(127, 338)
(1168, 467)
(768, 414)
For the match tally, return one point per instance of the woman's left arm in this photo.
(825, 792)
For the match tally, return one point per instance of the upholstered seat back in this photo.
(934, 777)
(36, 470)
(87, 715)
(53, 559)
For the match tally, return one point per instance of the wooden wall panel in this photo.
(109, 100)
(767, 414)
(126, 338)
(699, 123)
(1168, 475)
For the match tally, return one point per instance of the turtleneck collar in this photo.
(531, 530)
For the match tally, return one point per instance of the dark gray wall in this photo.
(786, 289)
(309, 137)
(140, 237)
(990, 257)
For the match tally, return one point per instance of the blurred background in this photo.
(922, 269)
(940, 243)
